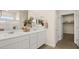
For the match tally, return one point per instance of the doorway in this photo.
(68, 27)
(67, 32)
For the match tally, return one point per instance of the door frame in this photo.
(61, 25)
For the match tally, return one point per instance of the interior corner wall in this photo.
(23, 16)
(50, 16)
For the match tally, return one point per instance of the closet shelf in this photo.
(68, 23)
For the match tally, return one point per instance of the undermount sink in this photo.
(10, 32)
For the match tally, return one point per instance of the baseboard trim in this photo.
(52, 45)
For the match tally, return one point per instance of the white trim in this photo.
(52, 45)
(75, 16)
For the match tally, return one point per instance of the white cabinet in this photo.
(27, 41)
(38, 39)
(41, 38)
(15, 43)
(33, 40)
(24, 44)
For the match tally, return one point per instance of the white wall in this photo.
(38, 14)
(65, 12)
(68, 28)
(23, 14)
(50, 16)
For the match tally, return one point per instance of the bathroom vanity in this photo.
(23, 40)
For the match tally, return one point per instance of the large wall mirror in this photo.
(11, 20)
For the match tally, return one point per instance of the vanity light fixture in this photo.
(6, 18)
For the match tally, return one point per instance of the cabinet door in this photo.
(34, 46)
(33, 40)
(41, 38)
(15, 43)
(24, 44)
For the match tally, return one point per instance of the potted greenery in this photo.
(27, 24)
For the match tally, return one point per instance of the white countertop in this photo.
(18, 33)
